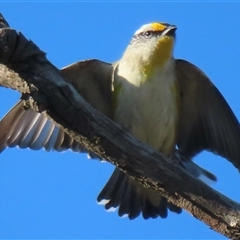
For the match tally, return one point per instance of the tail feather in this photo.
(112, 191)
(132, 198)
(117, 193)
(174, 208)
(125, 204)
(135, 206)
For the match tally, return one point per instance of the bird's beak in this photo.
(170, 31)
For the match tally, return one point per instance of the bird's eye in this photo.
(148, 34)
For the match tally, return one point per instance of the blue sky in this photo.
(53, 195)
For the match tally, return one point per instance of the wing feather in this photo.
(27, 128)
(206, 122)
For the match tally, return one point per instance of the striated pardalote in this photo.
(168, 103)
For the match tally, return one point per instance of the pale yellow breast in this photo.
(149, 110)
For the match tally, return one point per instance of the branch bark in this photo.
(24, 67)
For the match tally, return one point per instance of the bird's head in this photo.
(152, 45)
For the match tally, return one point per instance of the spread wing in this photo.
(206, 122)
(27, 128)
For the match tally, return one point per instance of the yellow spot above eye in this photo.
(158, 26)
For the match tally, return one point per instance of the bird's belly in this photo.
(151, 115)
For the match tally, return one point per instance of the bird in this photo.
(168, 103)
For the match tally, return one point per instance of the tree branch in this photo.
(25, 68)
